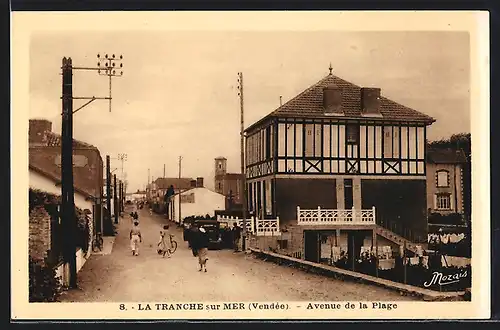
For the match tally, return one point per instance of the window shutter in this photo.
(435, 202)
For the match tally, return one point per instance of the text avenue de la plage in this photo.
(253, 306)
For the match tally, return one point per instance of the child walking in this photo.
(135, 238)
(163, 244)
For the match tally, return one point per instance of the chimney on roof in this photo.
(199, 182)
(193, 183)
(332, 100)
(370, 101)
(37, 130)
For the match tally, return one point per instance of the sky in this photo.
(178, 94)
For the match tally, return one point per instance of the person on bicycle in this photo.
(164, 244)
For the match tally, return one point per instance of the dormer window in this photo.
(332, 100)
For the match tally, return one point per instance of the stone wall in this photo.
(292, 242)
(39, 233)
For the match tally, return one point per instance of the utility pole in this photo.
(109, 69)
(67, 189)
(180, 167)
(163, 170)
(242, 151)
(122, 158)
(115, 199)
(107, 227)
(122, 197)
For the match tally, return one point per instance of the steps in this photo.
(393, 237)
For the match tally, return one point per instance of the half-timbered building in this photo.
(339, 156)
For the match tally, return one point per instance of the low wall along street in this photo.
(424, 293)
(62, 271)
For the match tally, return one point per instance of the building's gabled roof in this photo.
(193, 188)
(445, 156)
(178, 183)
(57, 180)
(309, 104)
(54, 140)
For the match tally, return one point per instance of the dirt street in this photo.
(122, 277)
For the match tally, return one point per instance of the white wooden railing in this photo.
(268, 227)
(230, 220)
(259, 227)
(321, 216)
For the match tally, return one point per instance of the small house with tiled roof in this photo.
(159, 187)
(445, 180)
(45, 167)
(340, 157)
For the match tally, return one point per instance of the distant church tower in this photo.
(220, 172)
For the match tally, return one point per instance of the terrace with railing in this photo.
(321, 216)
(256, 226)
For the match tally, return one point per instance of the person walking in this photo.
(236, 233)
(135, 238)
(202, 245)
(164, 243)
(192, 238)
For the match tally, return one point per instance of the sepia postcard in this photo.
(250, 165)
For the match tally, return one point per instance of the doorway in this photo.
(311, 246)
(355, 240)
(348, 194)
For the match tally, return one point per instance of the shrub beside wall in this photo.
(44, 285)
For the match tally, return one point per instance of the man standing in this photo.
(236, 237)
(135, 239)
(193, 238)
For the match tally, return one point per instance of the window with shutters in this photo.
(443, 202)
(442, 178)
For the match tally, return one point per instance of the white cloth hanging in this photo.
(457, 261)
(385, 264)
(454, 238)
(420, 250)
(414, 261)
(425, 261)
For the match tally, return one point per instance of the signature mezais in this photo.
(439, 278)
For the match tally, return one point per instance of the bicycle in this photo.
(173, 245)
(98, 243)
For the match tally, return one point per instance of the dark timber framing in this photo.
(262, 162)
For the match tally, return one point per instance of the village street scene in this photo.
(250, 166)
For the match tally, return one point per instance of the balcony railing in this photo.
(321, 216)
(256, 226)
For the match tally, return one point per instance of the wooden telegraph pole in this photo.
(242, 151)
(107, 225)
(68, 222)
(67, 190)
(115, 199)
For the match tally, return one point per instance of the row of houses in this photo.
(45, 176)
